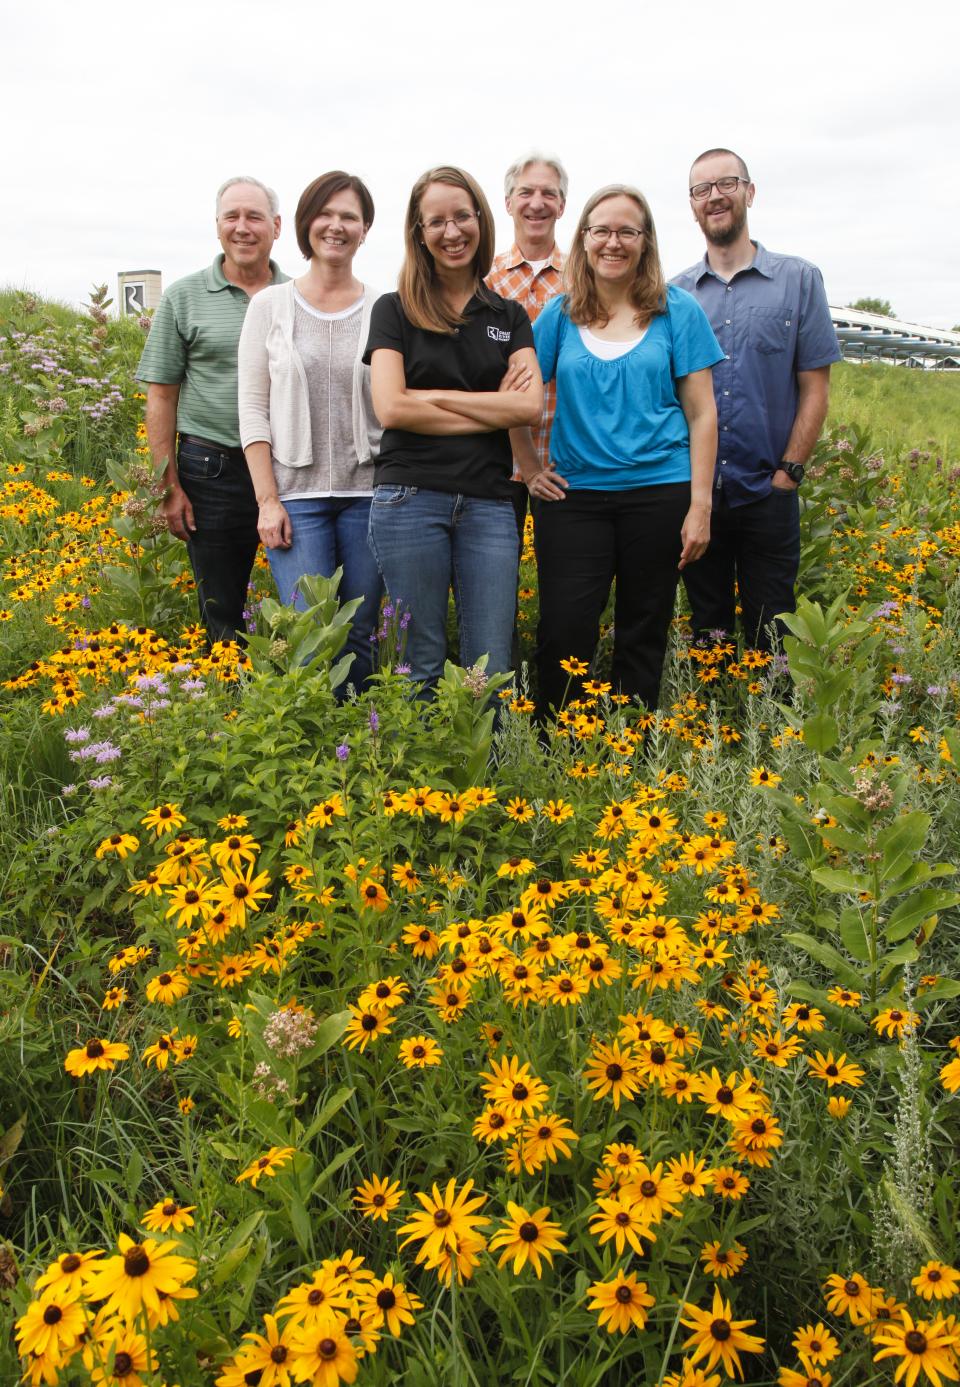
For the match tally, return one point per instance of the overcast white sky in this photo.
(121, 120)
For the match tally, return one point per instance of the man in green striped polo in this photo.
(189, 365)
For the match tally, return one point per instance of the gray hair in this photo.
(272, 199)
(535, 156)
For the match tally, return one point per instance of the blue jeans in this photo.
(330, 532)
(426, 541)
(223, 546)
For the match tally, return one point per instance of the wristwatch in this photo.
(794, 470)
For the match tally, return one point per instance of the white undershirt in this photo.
(319, 313)
(537, 265)
(604, 348)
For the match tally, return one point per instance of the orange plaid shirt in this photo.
(512, 277)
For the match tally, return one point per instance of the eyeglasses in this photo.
(626, 235)
(437, 225)
(727, 184)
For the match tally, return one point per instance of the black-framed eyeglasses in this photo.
(727, 184)
(626, 235)
(435, 225)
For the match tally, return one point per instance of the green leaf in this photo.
(837, 879)
(331, 1106)
(910, 913)
(943, 990)
(228, 1264)
(243, 1232)
(821, 732)
(328, 1033)
(338, 1161)
(826, 955)
(853, 934)
(901, 841)
(300, 1223)
(903, 953)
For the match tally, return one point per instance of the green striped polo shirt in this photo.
(193, 343)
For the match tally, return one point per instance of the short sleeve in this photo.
(816, 336)
(546, 337)
(520, 327)
(694, 345)
(164, 357)
(387, 321)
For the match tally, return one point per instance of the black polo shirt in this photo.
(474, 358)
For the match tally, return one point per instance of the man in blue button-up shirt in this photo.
(771, 318)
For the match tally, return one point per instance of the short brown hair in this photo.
(316, 196)
(417, 286)
(710, 153)
(648, 292)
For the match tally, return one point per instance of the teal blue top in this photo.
(619, 424)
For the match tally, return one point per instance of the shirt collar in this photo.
(516, 258)
(761, 262)
(216, 280)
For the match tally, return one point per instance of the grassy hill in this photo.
(902, 409)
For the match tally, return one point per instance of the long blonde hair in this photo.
(648, 292)
(417, 285)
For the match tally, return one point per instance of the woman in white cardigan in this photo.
(306, 415)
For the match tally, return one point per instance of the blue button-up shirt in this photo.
(771, 320)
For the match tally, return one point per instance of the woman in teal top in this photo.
(633, 446)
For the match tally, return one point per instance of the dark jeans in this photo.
(224, 544)
(758, 545)
(586, 541)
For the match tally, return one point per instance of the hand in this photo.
(273, 525)
(178, 512)
(517, 377)
(547, 485)
(781, 482)
(694, 535)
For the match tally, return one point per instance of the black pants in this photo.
(758, 546)
(223, 546)
(586, 541)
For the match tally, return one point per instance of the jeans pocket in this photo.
(199, 464)
(392, 495)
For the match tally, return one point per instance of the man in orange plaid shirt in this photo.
(531, 271)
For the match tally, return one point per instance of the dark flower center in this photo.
(418, 1052)
(623, 1218)
(71, 1262)
(648, 1188)
(386, 1299)
(529, 1232)
(169, 1210)
(724, 1095)
(624, 1294)
(240, 891)
(614, 1072)
(915, 1342)
(315, 1297)
(852, 1288)
(94, 1049)
(164, 980)
(658, 1054)
(122, 1365)
(720, 1330)
(497, 1120)
(52, 1315)
(278, 1354)
(803, 1013)
(832, 1070)
(136, 1262)
(327, 1348)
(519, 1093)
(933, 1274)
(758, 1126)
(352, 1326)
(368, 1022)
(442, 1218)
(688, 1178)
(544, 1133)
(379, 1200)
(565, 985)
(370, 893)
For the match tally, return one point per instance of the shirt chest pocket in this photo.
(772, 329)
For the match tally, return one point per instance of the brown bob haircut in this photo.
(316, 196)
(648, 292)
(417, 285)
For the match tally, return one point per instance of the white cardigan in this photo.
(272, 394)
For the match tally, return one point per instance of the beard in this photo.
(726, 235)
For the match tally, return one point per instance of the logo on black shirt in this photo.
(498, 334)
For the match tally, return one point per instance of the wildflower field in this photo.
(394, 1044)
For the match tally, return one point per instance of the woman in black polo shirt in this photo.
(452, 369)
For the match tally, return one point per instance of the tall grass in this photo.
(902, 409)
